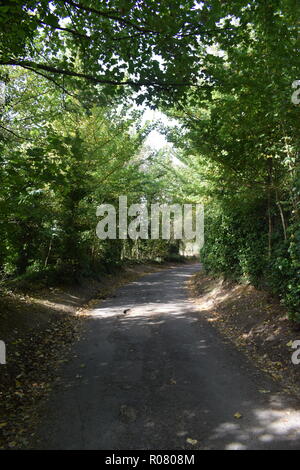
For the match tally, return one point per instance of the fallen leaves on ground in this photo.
(29, 375)
(255, 322)
(193, 442)
(33, 360)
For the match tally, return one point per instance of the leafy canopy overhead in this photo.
(152, 46)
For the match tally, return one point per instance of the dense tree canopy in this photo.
(242, 140)
(71, 137)
(151, 44)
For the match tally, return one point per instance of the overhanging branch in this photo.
(36, 67)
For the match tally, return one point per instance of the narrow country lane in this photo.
(158, 374)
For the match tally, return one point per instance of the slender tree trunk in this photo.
(49, 251)
(270, 231)
(281, 216)
(270, 225)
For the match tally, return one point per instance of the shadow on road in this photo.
(158, 374)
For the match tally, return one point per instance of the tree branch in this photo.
(50, 79)
(12, 132)
(35, 67)
(111, 16)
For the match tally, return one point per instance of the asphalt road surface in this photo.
(160, 374)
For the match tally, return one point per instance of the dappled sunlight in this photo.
(147, 301)
(265, 425)
(60, 307)
(284, 422)
(166, 377)
(263, 422)
(144, 311)
(211, 299)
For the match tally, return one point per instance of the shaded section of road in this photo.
(158, 374)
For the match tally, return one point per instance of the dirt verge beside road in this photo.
(39, 328)
(254, 320)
